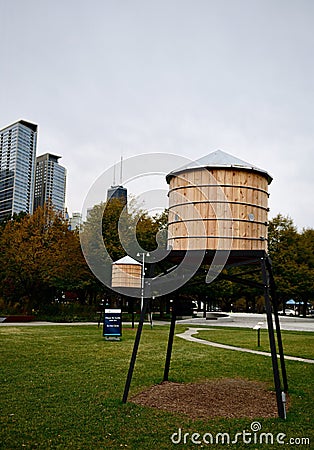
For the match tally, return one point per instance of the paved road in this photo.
(244, 320)
(241, 320)
(42, 323)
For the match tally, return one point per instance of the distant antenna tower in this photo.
(121, 162)
(114, 175)
(117, 191)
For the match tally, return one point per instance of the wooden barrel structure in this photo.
(218, 202)
(126, 273)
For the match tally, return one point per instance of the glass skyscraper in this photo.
(50, 182)
(119, 193)
(17, 168)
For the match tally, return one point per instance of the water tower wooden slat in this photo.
(218, 202)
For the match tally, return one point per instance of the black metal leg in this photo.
(272, 342)
(135, 349)
(277, 323)
(170, 340)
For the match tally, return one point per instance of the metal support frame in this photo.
(277, 323)
(269, 288)
(265, 275)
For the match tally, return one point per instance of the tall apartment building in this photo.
(50, 182)
(76, 221)
(17, 168)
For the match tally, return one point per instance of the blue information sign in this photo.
(112, 324)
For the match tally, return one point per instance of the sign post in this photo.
(112, 324)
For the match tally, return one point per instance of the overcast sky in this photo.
(103, 78)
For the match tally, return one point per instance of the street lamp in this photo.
(258, 328)
(142, 254)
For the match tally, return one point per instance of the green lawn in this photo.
(61, 388)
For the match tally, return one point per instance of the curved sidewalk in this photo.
(188, 336)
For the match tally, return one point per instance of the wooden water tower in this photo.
(219, 205)
(216, 202)
(126, 273)
(126, 277)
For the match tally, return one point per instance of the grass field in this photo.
(61, 387)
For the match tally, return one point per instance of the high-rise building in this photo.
(76, 221)
(50, 182)
(119, 193)
(17, 168)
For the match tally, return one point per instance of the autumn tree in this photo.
(292, 254)
(111, 229)
(39, 256)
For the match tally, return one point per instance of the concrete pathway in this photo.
(188, 336)
(248, 320)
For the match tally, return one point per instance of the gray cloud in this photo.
(109, 77)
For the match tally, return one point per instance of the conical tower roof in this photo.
(127, 260)
(218, 159)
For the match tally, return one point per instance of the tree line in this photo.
(43, 270)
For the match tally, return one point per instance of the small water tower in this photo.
(126, 273)
(218, 202)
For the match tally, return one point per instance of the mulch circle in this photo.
(228, 398)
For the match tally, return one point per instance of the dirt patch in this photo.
(227, 398)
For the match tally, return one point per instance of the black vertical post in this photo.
(150, 313)
(132, 306)
(170, 339)
(272, 342)
(277, 323)
(150, 273)
(135, 349)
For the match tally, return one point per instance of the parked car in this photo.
(287, 312)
